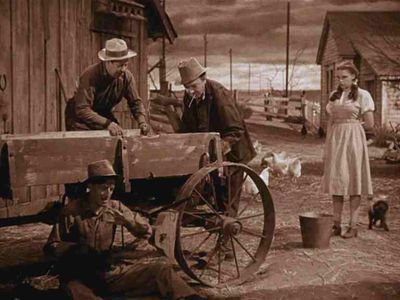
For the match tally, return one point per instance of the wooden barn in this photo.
(372, 41)
(46, 44)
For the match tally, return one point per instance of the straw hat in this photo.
(190, 70)
(99, 170)
(116, 49)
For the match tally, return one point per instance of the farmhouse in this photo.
(372, 41)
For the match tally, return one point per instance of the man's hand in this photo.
(116, 217)
(144, 128)
(115, 129)
(226, 147)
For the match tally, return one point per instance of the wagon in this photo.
(177, 180)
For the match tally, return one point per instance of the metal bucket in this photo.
(315, 229)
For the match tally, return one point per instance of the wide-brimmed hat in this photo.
(190, 70)
(101, 169)
(116, 49)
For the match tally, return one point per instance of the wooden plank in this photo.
(20, 66)
(5, 67)
(54, 98)
(52, 51)
(84, 37)
(20, 77)
(65, 134)
(143, 62)
(44, 161)
(37, 89)
(69, 43)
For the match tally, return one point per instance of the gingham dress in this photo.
(346, 162)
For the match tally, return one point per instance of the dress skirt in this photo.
(346, 161)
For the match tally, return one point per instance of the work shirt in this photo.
(78, 224)
(97, 94)
(218, 112)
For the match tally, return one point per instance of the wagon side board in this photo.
(62, 157)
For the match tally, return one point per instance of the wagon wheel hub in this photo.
(230, 226)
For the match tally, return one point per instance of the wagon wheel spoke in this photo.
(250, 232)
(206, 202)
(219, 266)
(200, 245)
(200, 232)
(248, 204)
(244, 248)
(195, 216)
(252, 216)
(213, 252)
(228, 183)
(235, 257)
(238, 190)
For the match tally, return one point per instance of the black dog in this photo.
(378, 213)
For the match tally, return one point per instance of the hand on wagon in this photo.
(115, 129)
(144, 128)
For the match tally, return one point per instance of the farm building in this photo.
(372, 41)
(47, 44)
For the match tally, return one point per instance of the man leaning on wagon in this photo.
(209, 107)
(101, 87)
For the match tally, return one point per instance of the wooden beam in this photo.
(41, 160)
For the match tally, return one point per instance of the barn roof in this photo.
(159, 22)
(374, 35)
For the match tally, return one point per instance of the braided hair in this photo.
(348, 66)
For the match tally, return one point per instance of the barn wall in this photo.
(329, 57)
(40, 37)
(391, 102)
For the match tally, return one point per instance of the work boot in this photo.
(350, 233)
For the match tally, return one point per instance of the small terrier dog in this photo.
(378, 212)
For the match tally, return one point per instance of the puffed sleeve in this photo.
(330, 103)
(366, 102)
(329, 107)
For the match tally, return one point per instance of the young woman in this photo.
(346, 163)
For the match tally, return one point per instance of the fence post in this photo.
(236, 95)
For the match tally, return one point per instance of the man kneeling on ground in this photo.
(87, 227)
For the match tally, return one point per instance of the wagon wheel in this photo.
(218, 245)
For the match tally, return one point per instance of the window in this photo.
(330, 79)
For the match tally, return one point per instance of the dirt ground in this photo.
(367, 267)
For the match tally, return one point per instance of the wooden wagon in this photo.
(174, 179)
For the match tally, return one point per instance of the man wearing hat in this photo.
(209, 107)
(101, 87)
(88, 225)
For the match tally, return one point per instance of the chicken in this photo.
(250, 188)
(257, 146)
(265, 175)
(294, 169)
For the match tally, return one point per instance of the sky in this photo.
(255, 30)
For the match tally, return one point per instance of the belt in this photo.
(344, 121)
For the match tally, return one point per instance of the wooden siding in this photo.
(329, 58)
(40, 37)
(369, 82)
(390, 102)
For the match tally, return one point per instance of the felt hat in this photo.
(115, 49)
(101, 169)
(190, 70)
